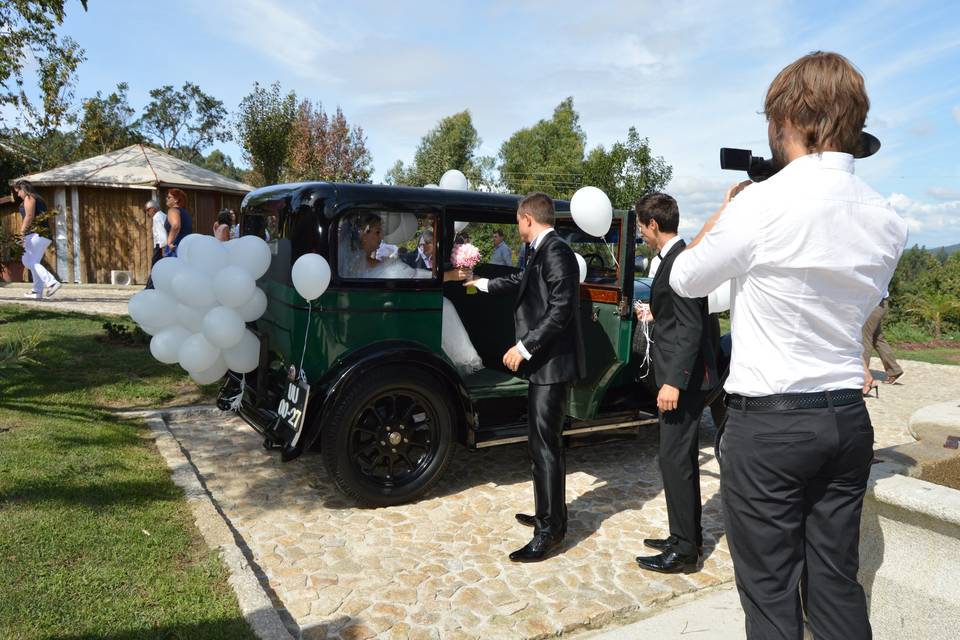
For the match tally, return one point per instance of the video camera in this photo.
(760, 169)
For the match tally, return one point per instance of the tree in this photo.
(264, 123)
(107, 123)
(546, 157)
(452, 144)
(219, 162)
(28, 31)
(326, 148)
(185, 122)
(626, 172)
(935, 308)
(41, 121)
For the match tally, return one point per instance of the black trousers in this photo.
(157, 255)
(792, 484)
(546, 411)
(680, 469)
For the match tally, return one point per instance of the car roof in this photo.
(304, 192)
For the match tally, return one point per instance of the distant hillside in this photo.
(953, 248)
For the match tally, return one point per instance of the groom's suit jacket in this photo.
(682, 349)
(547, 312)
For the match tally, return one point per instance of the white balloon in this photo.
(194, 288)
(719, 299)
(197, 354)
(165, 345)
(253, 308)
(431, 186)
(459, 226)
(244, 357)
(153, 308)
(191, 318)
(164, 271)
(402, 227)
(233, 286)
(583, 266)
(251, 253)
(592, 211)
(186, 242)
(212, 374)
(223, 327)
(310, 275)
(208, 255)
(454, 179)
(151, 330)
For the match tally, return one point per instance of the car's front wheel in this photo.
(389, 437)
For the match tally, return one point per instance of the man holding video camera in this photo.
(810, 252)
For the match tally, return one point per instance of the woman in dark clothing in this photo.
(178, 224)
(35, 242)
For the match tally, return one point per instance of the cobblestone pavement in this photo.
(439, 568)
(94, 299)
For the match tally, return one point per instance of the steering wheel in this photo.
(589, 257)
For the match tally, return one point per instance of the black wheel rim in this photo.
(393, 438)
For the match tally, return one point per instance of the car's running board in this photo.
(571, 432)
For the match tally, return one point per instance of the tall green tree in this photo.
(452, 144)
(28, 31)
(627, 171)
(186, 121)
(107, 123)
(219, 162)
(325, 147)
(264, 123)
(546, 157)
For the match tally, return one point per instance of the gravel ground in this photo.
(82, 298)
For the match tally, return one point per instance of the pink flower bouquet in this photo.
(465, 256)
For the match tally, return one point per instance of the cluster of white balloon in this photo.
(197, 313)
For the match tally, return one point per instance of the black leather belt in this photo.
(786, 401)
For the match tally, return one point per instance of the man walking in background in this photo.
(873, 339)
(501, 252)
(810, 252)
(158, 219)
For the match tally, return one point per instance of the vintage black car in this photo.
(360, 373)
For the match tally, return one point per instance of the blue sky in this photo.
(691, 76)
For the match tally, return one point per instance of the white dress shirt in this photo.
(810, 252)
(159, 233)
(482, 285)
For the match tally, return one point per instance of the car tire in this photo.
(389, 437)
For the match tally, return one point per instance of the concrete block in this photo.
(938, 424)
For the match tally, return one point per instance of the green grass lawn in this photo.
(95, 539)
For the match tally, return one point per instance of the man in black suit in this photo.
(549, 352)
(684, 366)
(422, 258)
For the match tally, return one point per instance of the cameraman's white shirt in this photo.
(810, 252)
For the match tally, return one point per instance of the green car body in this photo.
(386, 406)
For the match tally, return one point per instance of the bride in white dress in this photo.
(360, 238)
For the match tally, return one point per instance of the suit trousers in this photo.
(873, 339)
(546, 412)
(680, 469)
(154, 259)
(792, 484)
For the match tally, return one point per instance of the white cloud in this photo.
(936, 220)
(943, 193)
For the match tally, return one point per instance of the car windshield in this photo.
(599, 253)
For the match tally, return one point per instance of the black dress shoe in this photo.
(526, 519)
(540, 548)
(670, 562)
(666, 544)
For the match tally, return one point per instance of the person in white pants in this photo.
(34, 245)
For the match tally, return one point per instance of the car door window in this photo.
(387, 245)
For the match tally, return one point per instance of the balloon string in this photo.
(610, 249)
(237, 401)
(645, 363)
(306, 334)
